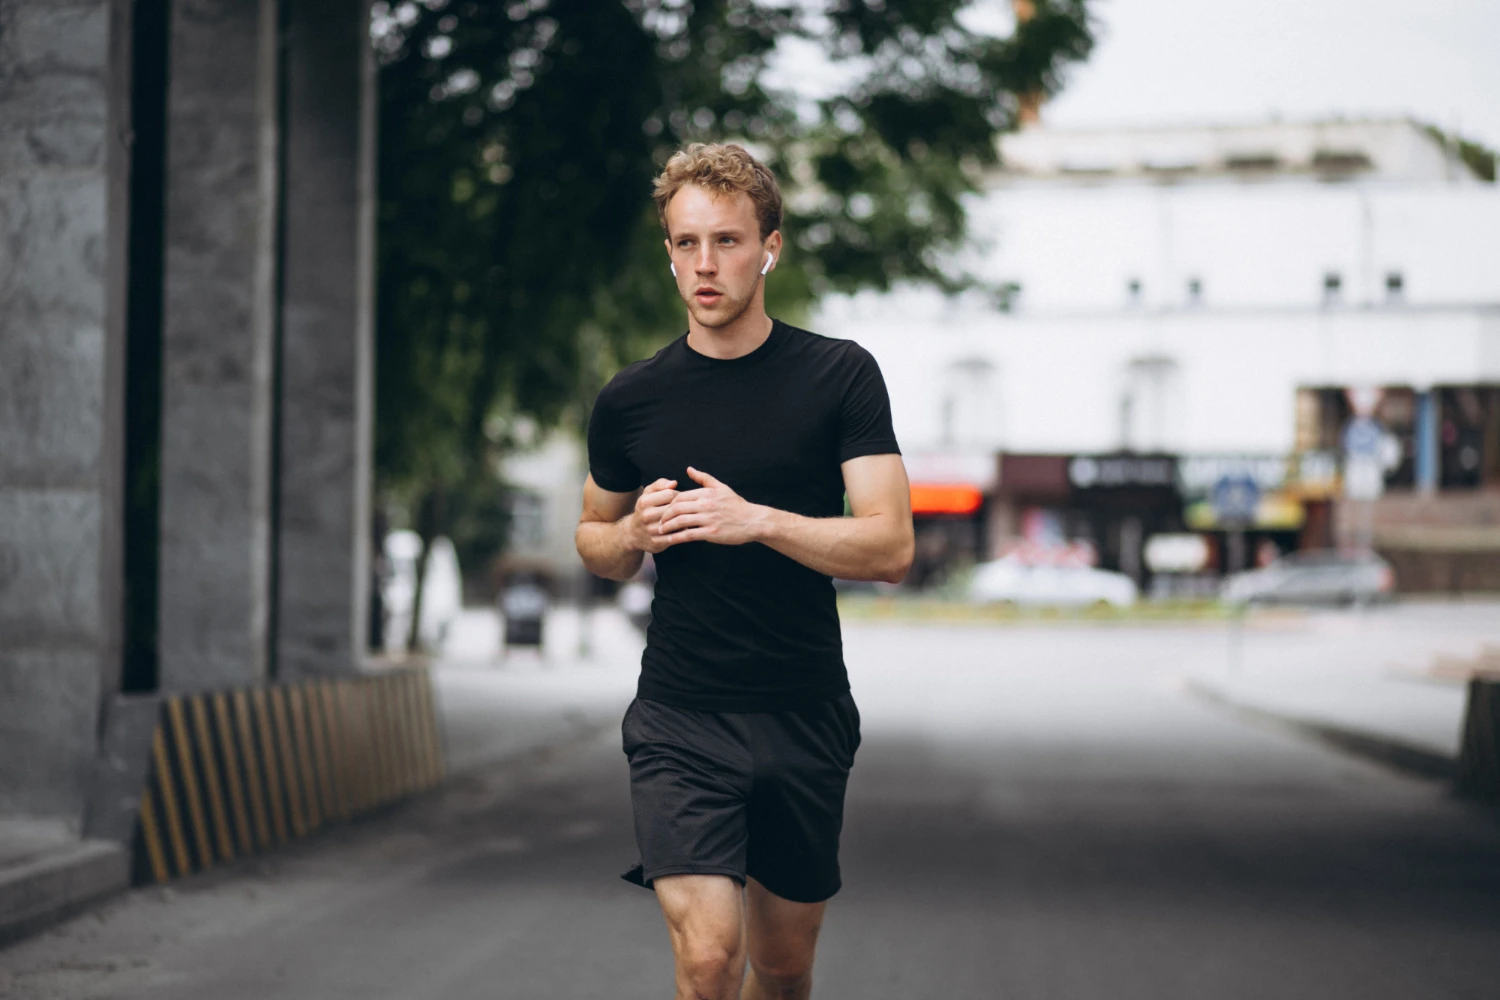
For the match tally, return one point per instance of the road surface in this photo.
(1037, 812)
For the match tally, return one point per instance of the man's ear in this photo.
(772, 244)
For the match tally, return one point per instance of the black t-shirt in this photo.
(743, 628)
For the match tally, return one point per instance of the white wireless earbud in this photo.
(674, 269)
(770, 259)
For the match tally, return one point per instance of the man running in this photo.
(728, 456)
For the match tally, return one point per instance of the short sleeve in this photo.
(865, 411)
(608, 464)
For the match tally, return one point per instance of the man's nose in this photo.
(705, 264)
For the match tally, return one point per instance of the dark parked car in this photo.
(1321, 576)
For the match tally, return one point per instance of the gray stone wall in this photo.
(326, 340)
(59, 379)
(65, 92)
(218, 324)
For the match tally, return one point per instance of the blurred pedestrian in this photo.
(727, 455)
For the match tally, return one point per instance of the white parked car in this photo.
(1319, 576)
(1012, 581)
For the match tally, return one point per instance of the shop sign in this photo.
(1199, 474)
(1274, 512)
(1364, 478)
(1177, 553)
(1087, 472)
(1363, 437)
(1369, 452)
(1236, 497)
(945, 498)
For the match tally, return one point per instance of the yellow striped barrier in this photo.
(241, 772)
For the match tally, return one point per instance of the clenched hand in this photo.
(712, 513)
(645, 520)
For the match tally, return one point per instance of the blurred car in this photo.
(1013, 581)
(1318, 576)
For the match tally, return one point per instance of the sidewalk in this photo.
(48, 873)
(493, 706)
(1367, 681)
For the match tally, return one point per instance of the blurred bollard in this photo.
(1479, 757)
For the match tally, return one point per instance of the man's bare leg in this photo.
(782, 937)
(705, 918)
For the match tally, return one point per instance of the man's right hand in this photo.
(649, 507)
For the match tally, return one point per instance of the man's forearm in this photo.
(876, 547)
(605, 549)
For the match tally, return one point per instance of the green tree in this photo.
(520, 258)
(1478, 157)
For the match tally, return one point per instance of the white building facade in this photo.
(1205, 293)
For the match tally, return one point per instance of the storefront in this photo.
(1065, 505)
(951, 495)
(1293, 509)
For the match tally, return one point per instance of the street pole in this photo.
(1236, 562)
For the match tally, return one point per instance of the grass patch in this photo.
(937, 609)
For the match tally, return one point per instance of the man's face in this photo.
(716, 247)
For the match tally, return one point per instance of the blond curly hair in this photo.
(723, 168)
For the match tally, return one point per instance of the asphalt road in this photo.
(1036, 812)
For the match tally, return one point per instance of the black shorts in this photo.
(741, 793)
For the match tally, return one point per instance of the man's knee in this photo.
(709, 966)
(786, 975)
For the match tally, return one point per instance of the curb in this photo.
(1479, 763)
(58, 884)
(1416, 761)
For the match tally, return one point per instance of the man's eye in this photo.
(726, 239)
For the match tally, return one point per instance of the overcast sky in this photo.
(1209, 61)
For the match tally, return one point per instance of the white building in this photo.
(1210, 292)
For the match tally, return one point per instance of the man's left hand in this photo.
(713, 513)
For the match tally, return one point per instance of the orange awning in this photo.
(945, 498)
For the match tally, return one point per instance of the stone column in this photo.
(61, 157)
(217, 332)
(324, 488)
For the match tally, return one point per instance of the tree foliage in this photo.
(1478, 157)
(520, 258)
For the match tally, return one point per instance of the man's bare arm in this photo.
(875, 543)
(614, 529)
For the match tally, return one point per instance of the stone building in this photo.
(186, 191)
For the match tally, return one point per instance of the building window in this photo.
(1252, 162)
(1324, 413)
(1151, 405)
(971, 405)
(1195, 291)
(1395, 286)
(1469, 429)
(1133, 291)
(1341, 161)
(1333, 286)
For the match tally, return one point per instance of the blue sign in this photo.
(1363, 437)
(1235, 498)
